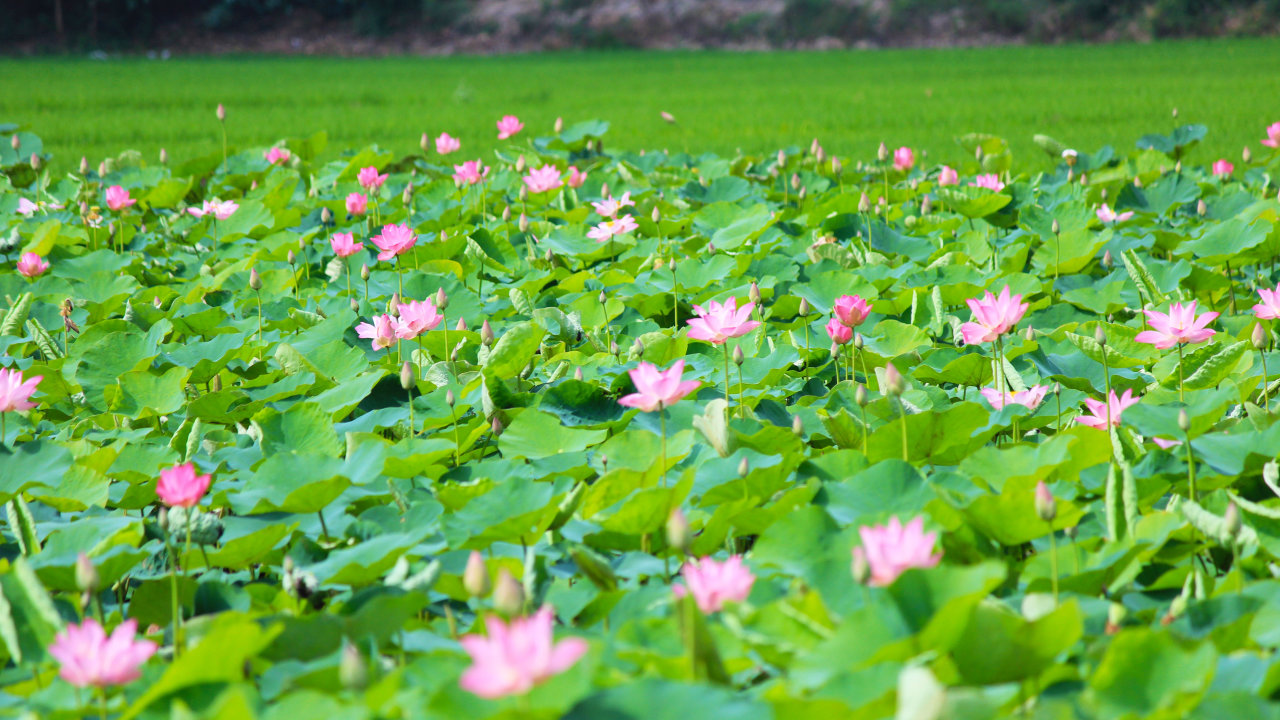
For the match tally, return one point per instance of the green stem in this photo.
(725, 344)
(457, 444)
(348, 264)
(4, 429)
(742, 405)
(258, 293)
(1053, 562)
(1191, 468)
(400, 278)
(1266, 401)
(902, 407)
(863, 408)
(448, 349)
(1106, 383)
(1180, 390)
(662, 420)
(675, 301)
(102, 703)
(173, 588)
(323, 528)
(805, 319)
(413, 426)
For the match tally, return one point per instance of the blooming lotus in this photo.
(1273, 136)
(608, 229)
(357, 203)
(543, 179)
(1166, 444)
(516, 656)
(1107, 215)
(382, 332)
(1269, 308)
(990, 181)
(576, 177)
(904, 158)
(717, 323)
(417, 317)
(852, 310)
(610, 206)
(88, 657)
(1097, 418)
(508, 126)
(657, 389)
(180, 486)
(712, 583)
(15, 393)
(992, 316)
(446, 144)
(1030, 398)
(276, 156)
(1223, 168)
(220, 209)
(840, 333)
(1179, 326)
(890, 550)
(118, 198)
(370, 180)
(30, 265)
(344, 244)
(26, 207)
(469, 173)
(394, 240)
(948, 176)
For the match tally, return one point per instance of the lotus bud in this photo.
(1246, 155)
(1100, 336)
(1184, 420)
(524, 223)
(601, 297)
(744, 467)
(35, 162)
(864, 204)
(820, 155)
(1071, 532)
(1232, 520)
(1137, 182)
(1030, 334)
(407, 197)
(558, 127)
(738, 357)
(293, 258)
(326, 216)
(1107, 260)
(364, 272)
(255, 280)
(495, 426)
(893, 381)
(1115, 617)
(1084, 178)
(216, 383)
(1177, 167)
(835, 351)
(1055, 228)
(508, 594)
(524, 193)
(1175, 113)
(860, 568)
(795, 181)
(753, 293)
(656, 215)
(15, 142)
(711, 248)
(577, 374)
(604, 463)
(1104, 193)
(406, 376)
(858, 342)
(461, 326)
(475, 579)
(804, 191)
(1070, 176)
(1259, 337)
(1045, 506)
(102, 168)
(926, 205)
(1176, 608)
(353, 673)
(604, 190)
(442, 300)
(637, 348)
(882, 153)
(449, 399)
(520, 164)
(355, 306)
(506, 214)
(804, 307)
(668, 117)
(393, 305)
(860, 395)
(613, 347)
(1201, 207)
(221, 113)
(977, 153)
(678, 535)
(486, 333)
(84, 165)
(86, 574)
(836, 167)
(782, 158)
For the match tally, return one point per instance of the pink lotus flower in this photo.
(277, 156)
(1030, 398)
(1166, 444)
(370, 180)
(15, 393)
(990, 181)
(992, 316)
(543, 179)
(852, 310)
(1107, 215)
(840, 333)
(948, 176)
(611, 228)
(1180, 326)
(469, 173)
(417, 317)
(508, 126)
(576, 177)
(610, 206)
(1273, 136)
(1269, 308)
(31, 265)
(516, 656)
(220, 209)
(180, 486)
(394, 240)
(903, 159)
(657, 389)
(118, 198)
(357, 203)
(382, 332)
(717, 323)
(446, 144)
(344, 244)
(890, 550)
(1223, 167)
(712, 583)
(1098, 418)
(26, 208)
(90, 658)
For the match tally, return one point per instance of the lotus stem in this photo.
(725, 344)
(1191, 466)
(1262, 353)
(662, 421)
(1180, 381)
(906, 454)
(1053, 561)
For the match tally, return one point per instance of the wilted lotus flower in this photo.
(713, 583)
(890, 550)
(516, 656)
(508, 126)
(446, 144)
(89, 658)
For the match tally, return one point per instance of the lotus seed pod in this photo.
(486, 333)
(744, 468)
(524, 223)
(364, 272)
(442, 300)
(1259, 337)
(558, 127)
(804, 307)
(893, 381)
(406, 376)
(1184, 420)
(577, 374)
(864, 203)
(1046, 508)
(738, 357)
(255, 280)
(1232, 520)
(1069, 156)
(221, 113)
(1100, 336)
(860, 395)
(508, 594)
(1055, 228)
(86, 574)
(1201, 207)
(353, 673)
(475, 579)
(520, 164)
(216, 383)
(84, 165)
(678, 532)
(882, 153)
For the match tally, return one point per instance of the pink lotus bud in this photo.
(678, 535)
(797, 426)
(1045, 506)
(15, 142)
(221, 113)
(559, 126)
(893, 381)
(442, 300)
(475, 579)
(508, 594)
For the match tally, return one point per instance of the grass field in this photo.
(1085, 96)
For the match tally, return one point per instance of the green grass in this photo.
(1086, 96)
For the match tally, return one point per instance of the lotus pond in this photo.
(572, 432)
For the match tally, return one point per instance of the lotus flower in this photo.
(576, 177)
(610, 228)
(370, 180)
(1098, 409)
(30, 265)
(990, 181)
(344, 244)
(610, 206)
(446, 144)
(416, 318)
(1223, 167)
(717, 323)
(712, 583)
(903, 159)
(357, 203)
(948, 176)
(15, 393)
(1030, 398)
(90, 658)
(118, 198)
(277, 156)
(469, 173)
(992, 316)
(543, 179)
(657, 389)
(220, 209)
(508, 126)
(852, 310)
(1273, 136)
(394, 240)
(1107, 215)
(382, 332)
(890, 550)
(1269, 308)
(516, 656)
(840, 333)
(1180, 326)
(1166, 444)
(26, 207)
(180, 486)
